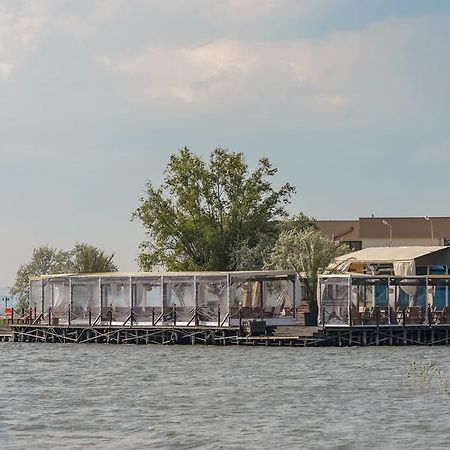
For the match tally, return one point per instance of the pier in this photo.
(290, 336)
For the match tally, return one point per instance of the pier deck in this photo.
(295, 336)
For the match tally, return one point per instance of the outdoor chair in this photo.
(415, 315)
(444, 315)
(378, 316)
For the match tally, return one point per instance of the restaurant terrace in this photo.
(185, 299)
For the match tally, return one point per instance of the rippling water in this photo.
(181, 397)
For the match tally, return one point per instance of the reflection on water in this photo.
(101, 396)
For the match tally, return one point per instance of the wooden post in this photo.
(12, 315)
(240, 321)
(90, 317)
(153, 316)
(323, 317)
(35, 311)
(131, 317)
(174, 309)
(218, 315)
(404, 316)
(430, 315)
(68, 316)
(110, 315)
(49, 316)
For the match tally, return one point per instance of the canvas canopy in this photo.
(402, 258)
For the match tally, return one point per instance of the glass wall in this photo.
(334, 301)
(86, 300)
(116, 299)
(212, 299)
(389, 300)
(197, 298)
(146, 299)
(179, 298)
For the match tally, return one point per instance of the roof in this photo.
(391, 254)
(241, 275)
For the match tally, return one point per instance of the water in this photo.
(182, 397)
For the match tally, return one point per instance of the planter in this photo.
(310, 319)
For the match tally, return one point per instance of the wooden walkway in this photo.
(291, 336)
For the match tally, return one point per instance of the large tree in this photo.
(203, 210)
(310, 254)
(83, 258)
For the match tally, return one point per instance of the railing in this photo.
(378, 316)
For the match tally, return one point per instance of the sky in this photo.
(349, 99)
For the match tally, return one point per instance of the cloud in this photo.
(17, 33)
(359, 77)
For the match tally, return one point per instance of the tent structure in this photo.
(400, 261)
(189, 298)
(386, 284)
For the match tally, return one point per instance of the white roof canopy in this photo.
(382, 255)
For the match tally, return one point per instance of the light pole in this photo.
(6, 300)
(431, 227)
(385, 222)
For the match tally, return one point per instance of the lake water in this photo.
(183, 397)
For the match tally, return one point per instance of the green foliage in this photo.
(83, 258)
(300, 222)
(205, 210)
(245, 257)
(44, 260)
(310, 254)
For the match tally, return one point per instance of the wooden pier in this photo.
(292, 336)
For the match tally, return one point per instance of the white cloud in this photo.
(331, 102)
(363, 73)
(17, 33)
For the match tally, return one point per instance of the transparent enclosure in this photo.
(201, 298)
(85, 299)
(334, 301)
(383, 300)
(212, 299)
(179, 299)
(147, 299)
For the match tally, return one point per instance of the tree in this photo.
(83, 258)
(300, 222)
(245, 257)
(44, 260)
(204, 210)
(310, 254)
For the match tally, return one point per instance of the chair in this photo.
(415, 315)
(444, 315)
(378, 316)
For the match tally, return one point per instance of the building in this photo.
(388, 231)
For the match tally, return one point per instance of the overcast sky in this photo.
(350, 99)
